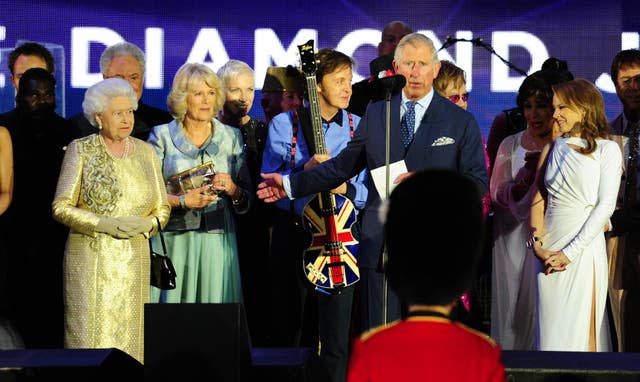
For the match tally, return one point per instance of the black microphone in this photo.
(390, 82)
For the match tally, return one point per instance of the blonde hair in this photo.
(449, 74)
(186, 78)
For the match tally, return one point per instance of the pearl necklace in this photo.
(125, 152)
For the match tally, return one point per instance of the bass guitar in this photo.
(330, 260)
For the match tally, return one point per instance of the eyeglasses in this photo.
(456, 97)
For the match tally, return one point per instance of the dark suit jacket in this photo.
(146, 117)
(625, 221)
(367, 150)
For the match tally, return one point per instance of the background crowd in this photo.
(81, 201)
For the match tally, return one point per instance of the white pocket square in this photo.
(443, 141)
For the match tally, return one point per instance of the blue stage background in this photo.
(585, 33)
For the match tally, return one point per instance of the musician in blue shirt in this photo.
(291, 147)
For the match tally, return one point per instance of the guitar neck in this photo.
(316, 117)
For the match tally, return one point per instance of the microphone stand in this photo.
(387, 159)
(480, 42)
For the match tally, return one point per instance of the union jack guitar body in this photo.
(330, 261)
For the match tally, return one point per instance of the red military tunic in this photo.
(425, 349)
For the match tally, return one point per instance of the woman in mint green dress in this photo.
(200, 236)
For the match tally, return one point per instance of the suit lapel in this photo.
(431, 116)
(395, 141)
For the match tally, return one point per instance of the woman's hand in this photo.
(541, 253)
(557, 262)
(135, 225)
(199, 197)
(222, 182)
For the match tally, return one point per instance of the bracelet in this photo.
(531, 242)
(182, 198)
(239, 197)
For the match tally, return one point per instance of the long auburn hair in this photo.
(582, 95)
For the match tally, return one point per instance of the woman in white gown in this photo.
(513, 286)
(578, 177)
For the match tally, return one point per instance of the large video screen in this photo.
(587, 34)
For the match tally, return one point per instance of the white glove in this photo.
(109, 226)
(135, 225)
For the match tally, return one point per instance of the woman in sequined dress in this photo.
(112, 196)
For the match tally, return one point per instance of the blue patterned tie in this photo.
(408, 123)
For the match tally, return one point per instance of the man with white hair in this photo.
(125, 60)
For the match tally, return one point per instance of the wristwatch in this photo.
(239, 197)
(181, 198)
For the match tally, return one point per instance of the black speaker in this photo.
(68, 365)
(547, 366)
(196, 342)
(287, 365)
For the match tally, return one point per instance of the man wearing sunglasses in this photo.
(451, 83)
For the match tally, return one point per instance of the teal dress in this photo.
(202, 242)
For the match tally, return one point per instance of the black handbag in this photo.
(163, 274)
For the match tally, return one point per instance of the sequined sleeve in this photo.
(65, 202)
(162, 209)
(241, 173)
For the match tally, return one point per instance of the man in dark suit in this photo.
(439, 135)
(125, 60)
(623, 242)
(33, 238)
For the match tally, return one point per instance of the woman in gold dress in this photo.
(111, 194)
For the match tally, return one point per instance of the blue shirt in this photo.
(277, 153)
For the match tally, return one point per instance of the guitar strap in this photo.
(307, 128)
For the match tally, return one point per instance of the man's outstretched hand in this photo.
(271, 189)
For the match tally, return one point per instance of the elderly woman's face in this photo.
(117, 119)
(239, 91)
(539, 116)
(201, 101)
